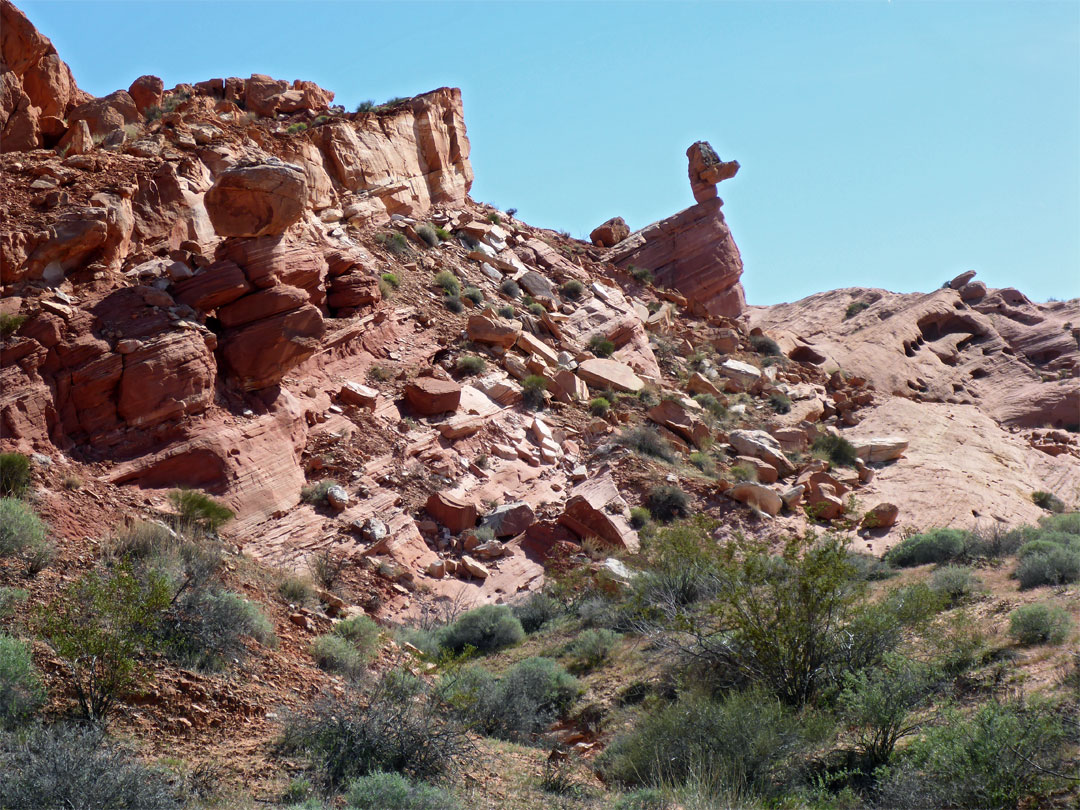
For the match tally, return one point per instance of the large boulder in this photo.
(106, 114)
(510, 520)
(596, 509)
(604, 373)
(678, 419)
(759, 444)
(257, 200)
(146, 92)
(610, 233)
(489, 328)
(758, 496)
(429, 396)
(455, 513)
(883, 448)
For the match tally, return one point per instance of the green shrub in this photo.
(711, 404)
(601, 346)
(494, 218)
(391, 279)
(591, 649)
(62, 766)
(454, 304)
(644, 799)
(955, 583)
(781, 403)
(703, 461)
(869, 568)
(10, 323)
(20, 528)
(334, 654)
(642, 274)
(1039, 624)
(37, 556)
(471, 364)
(934, 546)
(485, 629)
(361, 632)
(386, 291)
(1059, 566)
(14, 474)
(741, 741)
(573, 289)
(505, 311)
(666, 503)
(449, 283)
(854, 308)
(21, 693)
(9, 598)
(295, 128)
(599, 406)
(1037, 547)
(391, 791)
(198, 509)
(536, 309)
(205, 626)
(427, 233)
(1048, 500)
(381, 373)
(914, 604)
(835, 449)
(394, 242)
(763, 344)
(99, 627)
(473, 294)
(296, 590)
(533, 390)
(442, 233)
(510, 288)
(647, 442)
(365, 106)
(1068, 523)
(536, 611)
(316, 493)
(639, 516)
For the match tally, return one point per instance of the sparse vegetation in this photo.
(428, 235)
(534, 392)
(198, 509)
(510, 288)
(316, 493)
(473, 294)
(591, 649)
(1039, 624)
(14, 474)
(471, 364)
(394, 242)
(335, 654)
(448, 282)
(763, 344)
(666, 503)
(835, 449)
(934, 546)
(573, 290)
(536, 611)
(20, 527)
(703, 461)
(601, 346)
(505, 311)
(296, 128)
(21, 692)
(392, 791)
(365, 106)
(484, 629)
(494, 218)
(641, 274)
(647, 442)
(599, 406)
(454, 304)
(781, 403)
(854, 308)
(1048, 501)
(296, 590)
(639, 516)
(10, 324)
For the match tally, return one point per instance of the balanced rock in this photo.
(429, 396)
(256, 200)
(610, 233)
(706, 170)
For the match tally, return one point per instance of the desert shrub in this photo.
(869, 568)
(361, 632)
(647, 442)
(316, 493)
(639, 516)
(854, 308)
(648, 397)
(425, 640)
(205, 626)
(9, 598)
(601, 346)
(296, 590)
(642, 274)
(1037, 547)
(448, 282)
(365, 106)
(533, 390)
(524, 702)
(781, 403)
(741, 742)
(77, 767)
(427, 233)
(295, 128)
(510, 288)
(914, 604)
(386, 290)
(21, 693)
(1039, 624)
(473, 294)
(20, 528)
(703, 461)
(454, 304)
(742, 472)
(14, 474)
(334, 654)
(1068, 523)
(391, 279)
(993, 759)
(934, 546)
(955, 583)
(643, 799)
(1058, 566)
(37, 556)
(394, 242)
(485, 629)
(591, 649)
(494, 218)
(393, 728)
(381, 373)
(505, 311)
(537, 309)
(1048, 500)
(98, 627)
(198, 509)
(666, 503)
(711, 404)
(535, 611)
(392, 791)
(764, 345)
(573, 289)
(10, 323)
(471, 364)
(599, 406)
(835, 449)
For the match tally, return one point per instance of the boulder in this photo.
(261, 304)
(962, 279)
(759, 444)
(679, 420)
(741, 376)
(706, 170)
(883, 448)
(604, 373)
(764, 472)
(106, 114)
(881, 516)
(455, 513)
(758, 496)
(973, 291)
(489, 550)
(489, 328)
(338, 498)
(256, 200)
(76, 141)
(596, 509)
(614, 576)
(470, 567)
(530, 344)
(353, 393)
(509, 520)
(429, 396)
(610, 233)
(792, 497)
(699, 384)
(146, 92)
(346, 292)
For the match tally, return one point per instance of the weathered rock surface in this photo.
(610, 233)
(596, 509)
(757, 495)
(759, 444)
(455, 513)
(605, 373)
(429, 396)
(256, 200)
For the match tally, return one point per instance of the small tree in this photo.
(98, 628)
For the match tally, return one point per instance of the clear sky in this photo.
(883, 144)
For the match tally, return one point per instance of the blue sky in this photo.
(882, 144)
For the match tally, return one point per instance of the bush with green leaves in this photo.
(1048, 501)
(485, 629)
(711, 404)
(21, 692)
(647, 442)
(763, 344)
(537, 309)
(536, 610)
(10, 598)
(643, 799)
(448, 282)
(742, 742)
(779, 402)
(296, 590)
(642, 274)
(199, 509)
(1040, 624)
(703, 461)
(591, 649)
(854, 308)
(392, 791)
(835, 449)
(293, 129)
(473, 294)
(573, 290)
(392, 727)
(77, 767)
(869, 568)
(934, 546)
(391, 279)
(993, 759)
(20, 527)
(394, 242)
(1056, 566)
(601, 346)
(10, 323)
(471, 364)
(428, 235)
(14, 474)
(315, 493)
(505, 311)
(361, 632)
(510, 288)
(955, 583)
(517, 706)
(666, 503)
(533, 392)
(335, 654)
(639, 516)
(599, 406)
(205, 628)
(365, 106)
(453, 304)
(99, 627)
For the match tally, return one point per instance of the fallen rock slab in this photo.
(759, 444)
(884, 448)
(455, 513)
(612, 374)
(758, 496)
(429, 396)
(596, 509)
